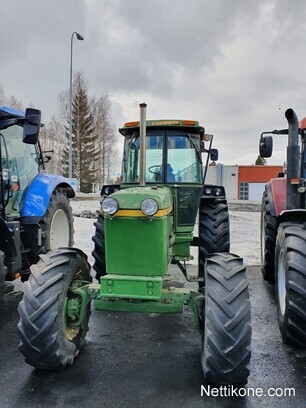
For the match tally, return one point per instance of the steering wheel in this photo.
(157, 171)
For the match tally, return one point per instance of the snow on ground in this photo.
(81, 205)
(84, 231)
(245, 236)
(244, 227)
(84, 228)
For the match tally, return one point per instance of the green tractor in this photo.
(145, 224)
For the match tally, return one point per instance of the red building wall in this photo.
(257, 174)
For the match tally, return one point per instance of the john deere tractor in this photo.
(35, 215)
(283, 231)
(145, 224)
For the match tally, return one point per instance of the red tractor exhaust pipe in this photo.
(293, 160)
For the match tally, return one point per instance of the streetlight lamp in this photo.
(80, 38)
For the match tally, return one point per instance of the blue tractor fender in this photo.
(36, 197)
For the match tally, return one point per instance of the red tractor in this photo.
(283, 231)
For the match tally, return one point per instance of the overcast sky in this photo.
(233, 65)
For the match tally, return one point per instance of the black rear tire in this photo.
(99, 248)
(47, 340)
(290, 279)
(267, 239)
(227, 321)
(214, 230)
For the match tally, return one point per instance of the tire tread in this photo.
(226, 351)
(292, 238)
(40, 327)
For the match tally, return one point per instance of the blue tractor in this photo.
(35, 215)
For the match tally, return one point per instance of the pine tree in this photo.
(84, 154)
(260, 161)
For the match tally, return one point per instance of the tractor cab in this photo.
(173, 152)
(19, 155)
(173, 159)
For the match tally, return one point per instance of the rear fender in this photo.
(277, 190)
(292, 215)
(36, 197)
(211, 191)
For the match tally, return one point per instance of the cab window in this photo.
(183, 162)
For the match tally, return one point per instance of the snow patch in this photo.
(244, 228)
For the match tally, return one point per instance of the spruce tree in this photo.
(260, 161)
(84, 154)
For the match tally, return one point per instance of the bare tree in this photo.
(10, 101)
(98, 148)
(104, 137)
(15, 103)
(53, 140)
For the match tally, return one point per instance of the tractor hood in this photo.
(130, 199)
(136, 243)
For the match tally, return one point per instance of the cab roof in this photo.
(10, 113)
(179, 124)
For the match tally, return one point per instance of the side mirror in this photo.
(266, 146)
(214, 154)
(31, 126)
(109, 189)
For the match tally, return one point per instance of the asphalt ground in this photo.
(139, 360)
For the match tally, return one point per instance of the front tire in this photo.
(99, 249)
(48, 341)
(267, 240)
(214, 230)
(290, 277)
(3, 271)
(227, 321)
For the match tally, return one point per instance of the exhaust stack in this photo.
(142, 154)
(293, 160)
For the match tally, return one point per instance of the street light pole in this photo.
(80, 38)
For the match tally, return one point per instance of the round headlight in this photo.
(109, 206)
(149, 206)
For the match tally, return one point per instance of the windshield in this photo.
(22, 161)
(171, 157)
